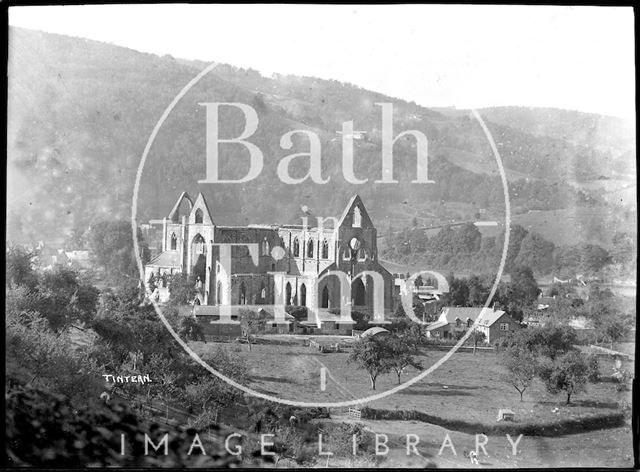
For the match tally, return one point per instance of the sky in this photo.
(578, 58)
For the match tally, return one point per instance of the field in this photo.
(468, 388)
(612, 448)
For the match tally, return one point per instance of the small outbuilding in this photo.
(506, 415)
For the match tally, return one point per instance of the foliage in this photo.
(402, 349)
(38, 356)
(111, 244)
(464, 247)
(567, 373)
(298, 312)
(372, 354)
(521, 365)
(191, 329)
(211, 394)
(64, 299)
(361, 320)
(251, 323)
(126, 326)
(550, 341)
(19, 267)
(182, 289)
(46, 430)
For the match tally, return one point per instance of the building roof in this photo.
(451, 313)
(174, 211)
(436, 325)
(374, 331)
(166, 259)
(488, 318)
(484, 316)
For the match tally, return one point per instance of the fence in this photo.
(323, 347)
(355, 413)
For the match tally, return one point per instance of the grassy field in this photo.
(467, 388)
(592, 449)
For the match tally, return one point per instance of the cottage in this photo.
(454, 321)
(496, 325)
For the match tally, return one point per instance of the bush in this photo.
(45, 430)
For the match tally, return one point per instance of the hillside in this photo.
(80, 113)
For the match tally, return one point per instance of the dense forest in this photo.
(465, 249)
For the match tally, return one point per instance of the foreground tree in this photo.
(211, 394)
(401, 351)
(521, 365)
(615, 328)
(568, 373)
(191, 330)
(19, 267)
(182, 289)
(251, 323)
(47, 431)
(372, 354)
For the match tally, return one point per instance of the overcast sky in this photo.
(579, 58)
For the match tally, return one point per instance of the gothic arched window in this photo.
(296, 247)
(242, 299)
(310, 248)
(324, 303)
(325, 249)
(174, 242)
(265, 247)
(287, 297)
(357, 218)
(303, 295)
(198, 215)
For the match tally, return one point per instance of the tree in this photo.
(65, 299)
(85, 436)
(361, 320)
(399, 312)
(211, 393)
(477, 337)
(38, 356)
(372, 354)
(458, 294)
(401, 349)
(19, 267)
(521, 365)
(251, 323)
(537, 253)
(164, 386)
(524, 284)
(190, 329)
(615, 329)
(593, 258)
(111, 244)
(128, 327)
(478, 291)
(182, 289)
(569, 373)
(550, 341)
